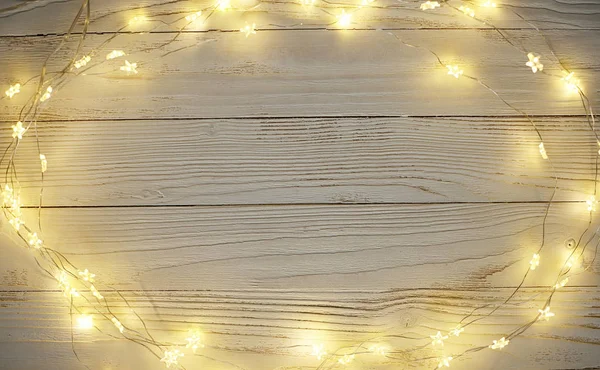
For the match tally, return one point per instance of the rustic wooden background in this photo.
(306, 184)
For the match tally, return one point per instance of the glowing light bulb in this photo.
(346, 359)
(318, 351)
(438, 339)
(43, 163)
(34, 241)
(534, 63)
(194, 340)
(47, 94)
(344, 19)
(87, 276)
(591, 203)
(572, 261)
(499, 344)
(137, 19)
(171, 357)
(18, 130)
(545, 314)
(115, 54)
(378, 349)
(82, 62)
(561, 283)
(571, 82)
(85, 322)
(16, 223)
(444, 362)
(535, 261)
(95, 292)
(223, 5)
(7, 195)
(456, 331)
(117, 324)
(129, 67)
(193, 17)
(13, 90)
(428, 5)
(468, 11)
(248, 29)
(489, 4)
(454, 70)
(543, 151)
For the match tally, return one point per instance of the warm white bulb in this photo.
(85, 322)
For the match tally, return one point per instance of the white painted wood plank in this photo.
(316, 73)
(316, 247)
(52, 16)
(264, 161)
(263, 329)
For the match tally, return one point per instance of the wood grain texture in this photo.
(291, 161)
(311, 246)
(271, 328)
(55, 16)
(310, 73)
(210, 187)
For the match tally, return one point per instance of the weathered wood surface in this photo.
(310, 73)
(327, 160)
(201, 188)
(55, 16)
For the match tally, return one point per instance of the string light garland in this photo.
(77, 285)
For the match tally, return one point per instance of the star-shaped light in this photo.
(18, 130)
(545, 314)
(438, 339)
(454, 70)
(43, 163)
(87, 276)
(95, 292)
(47, 94)
(13, 90)
(456, 331)
(118, 324)
(318, 351)
(82, 62)
(16, 223)
(499, 344)
(378, 349)
(468, 11)
(535, 261)
(591, 203)
(193, 17)
(444, 362)
(223, 5)
(489, 4)
(561, 283)
(346, 359)
(430, 5)
(194, 340)
(534, 62)
(129, 67)
(34, 241)
(115, 54)
(344, 19)
(248, 29)
(171, 357)
(571, 82)
(543, 151)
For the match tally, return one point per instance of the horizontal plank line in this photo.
(294, 291)
(166, 32)
(247, 118)
(238, 205)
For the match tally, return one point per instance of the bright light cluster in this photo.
(47, 94)
(248, 29)
(468, 11)
(438, 339)
(499, 344)
(444, 362)
(454, 70)
(534, 63)
(535, 261)
(82, 62)
(429, 5)
(194, 16)
(194, 340)
(318, 350)
(171, 357)
(129, 68)
(13, 90)
(115, 54)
